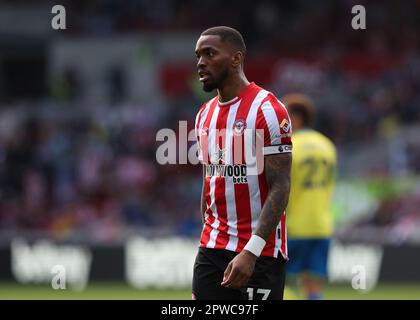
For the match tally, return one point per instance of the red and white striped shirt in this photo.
(227, 135)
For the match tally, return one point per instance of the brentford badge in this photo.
(239, 126)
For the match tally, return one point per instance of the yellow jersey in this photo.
(312, 183)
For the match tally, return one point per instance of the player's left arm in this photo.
(277, 173)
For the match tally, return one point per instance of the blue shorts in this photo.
(308, 255)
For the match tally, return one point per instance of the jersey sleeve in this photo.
(274, 123)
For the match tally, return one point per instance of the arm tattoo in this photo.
(203, 197)
(277, 173)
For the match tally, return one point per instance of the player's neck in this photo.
(232, 88)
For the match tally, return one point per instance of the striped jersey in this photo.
(233, 139)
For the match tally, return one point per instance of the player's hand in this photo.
(239, 270)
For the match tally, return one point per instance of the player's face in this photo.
(213, 62)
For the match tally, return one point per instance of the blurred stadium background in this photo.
(80, 186)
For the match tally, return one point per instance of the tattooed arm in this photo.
(277, 173)
(203, 197)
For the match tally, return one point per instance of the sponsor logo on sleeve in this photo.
(285, 148)
(285, 125)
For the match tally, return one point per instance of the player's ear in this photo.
(237, 59)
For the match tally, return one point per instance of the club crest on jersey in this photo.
(285, 125)
(239, 126)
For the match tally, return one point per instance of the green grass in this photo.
(97, 291)
(381, 292)
(107, 291)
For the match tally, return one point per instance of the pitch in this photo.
(121, 291)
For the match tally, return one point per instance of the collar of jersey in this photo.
(228, 103)
(236, 99)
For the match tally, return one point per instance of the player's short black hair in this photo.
(227, 34)
(302, 106)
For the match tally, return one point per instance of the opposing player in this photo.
(309, 216)
(242, 250)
